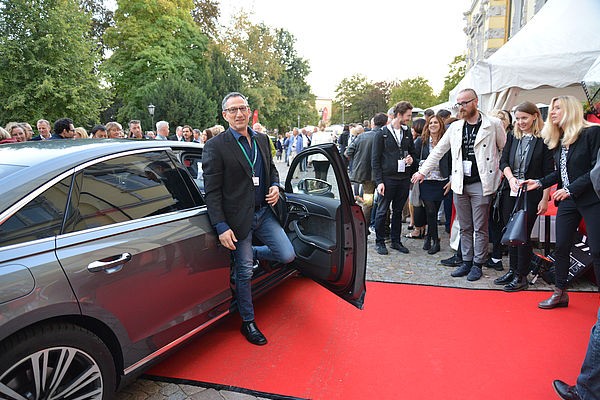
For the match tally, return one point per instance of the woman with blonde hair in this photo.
(436, 183)
(575, 143)
(81, 133)
(525, 156)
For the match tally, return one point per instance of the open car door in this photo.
(325, 225)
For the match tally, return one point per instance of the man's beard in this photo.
(468, 114)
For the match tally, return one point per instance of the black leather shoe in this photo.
(253, 334)
(565, 391)
(506, 278)
(518, 283)
(399, 246)
(381, 249)
(452, 261)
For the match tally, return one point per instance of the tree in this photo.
(179, 102)
(153, 41)
(250, 48)
(206, 13)
(101, 19)
(416, 90)
(359, 99)
(456, 73)
(297, 99)
(47, 62)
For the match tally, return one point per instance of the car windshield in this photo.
(6, 170)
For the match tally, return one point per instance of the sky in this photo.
(383, 40)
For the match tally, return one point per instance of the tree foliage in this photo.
(47, 62)
(179, 102)
(206, 13)
(273, 76)
(416, 90)
(101, 19)
(153, 41)
(359, 99)
(456, 73)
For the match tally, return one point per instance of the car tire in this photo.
(61, 361)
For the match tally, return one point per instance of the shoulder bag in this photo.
(515, 231)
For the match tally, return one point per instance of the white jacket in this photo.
(488, 146)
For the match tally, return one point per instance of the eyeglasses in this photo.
(234, 110)
(464, 103)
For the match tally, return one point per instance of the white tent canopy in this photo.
(549, 56)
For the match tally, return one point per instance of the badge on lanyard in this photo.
(256, 180)
(401, 165)
(467, 164)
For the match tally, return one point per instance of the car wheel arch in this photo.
(58, 335)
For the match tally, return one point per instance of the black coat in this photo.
(228, 180)
(386, 153)
(580, 161)
(423, 153)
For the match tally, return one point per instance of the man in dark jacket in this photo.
(392, 162)
(360, 152)
(241, 182)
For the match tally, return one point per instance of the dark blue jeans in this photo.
(396, 193)
(276, 247)
(588, 381)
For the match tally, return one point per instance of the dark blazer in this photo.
(538, 162)
(386, 153)
(580, 161)
(228, 180)
(423, 153)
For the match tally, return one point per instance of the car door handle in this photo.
(321, 243)
(110, 266)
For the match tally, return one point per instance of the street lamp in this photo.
(151, 109)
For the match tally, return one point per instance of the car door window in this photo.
(193, 163)
(314, 176)
(42, 217)
(128, 188)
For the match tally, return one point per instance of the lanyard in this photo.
(252, 163)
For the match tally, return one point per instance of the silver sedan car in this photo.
(108, 259)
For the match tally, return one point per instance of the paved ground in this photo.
(417, 267)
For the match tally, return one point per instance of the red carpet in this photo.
(410, 342)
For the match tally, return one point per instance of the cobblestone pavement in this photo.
(417, 267)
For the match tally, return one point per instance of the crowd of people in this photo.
(470, 169)
(63, 128)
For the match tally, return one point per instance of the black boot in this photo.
(427, 244)
(506, 278)
(518, 283)
(435, 247)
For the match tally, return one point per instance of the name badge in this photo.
(255, 180)
(401, 165)
(467, 165)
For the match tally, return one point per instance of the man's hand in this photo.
(273, 196)
(417, 177)
(408, 160)
(381, 189)
(228, 239)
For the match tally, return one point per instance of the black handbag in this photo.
(515, 231)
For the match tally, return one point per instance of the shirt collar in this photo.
(238, 135)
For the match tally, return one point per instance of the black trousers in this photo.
(520, 256)
(568, 218)
(431, 210)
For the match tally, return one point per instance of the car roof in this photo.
(38, 162)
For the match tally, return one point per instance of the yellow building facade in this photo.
(491, 23)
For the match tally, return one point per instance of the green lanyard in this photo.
(246, 154)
